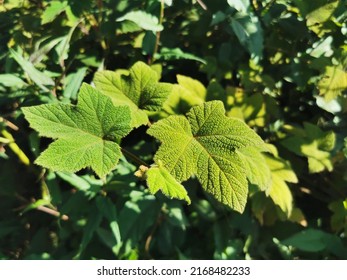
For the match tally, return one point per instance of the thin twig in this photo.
(202, 4)
(150, 236)
(9, 124)
(157, 39)
(133, 157)
(52, 212)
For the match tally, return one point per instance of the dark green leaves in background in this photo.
(278, 67)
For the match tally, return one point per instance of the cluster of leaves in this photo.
(251, 117)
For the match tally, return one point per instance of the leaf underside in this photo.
(205, 143)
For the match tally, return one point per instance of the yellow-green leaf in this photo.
(158, 178)
(139, 89)
(333, 83)
(314, 144)
(281, 173)
(257, 170)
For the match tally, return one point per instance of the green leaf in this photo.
(281, 173)
(42, 51)
(158, 178)
(109, 211)
(196, 89)
(321, 14)
(135, 219)
(226, 248)
(317, 13)
(40, 79)
(251, 109)
(205, 144)
(323, 47)
(339, 217)
(239, 5)
(314, 144)
(218, 17)
(334, 106)
(176, 54)
(249, 32)
(333, 83)
(73, 82)
(189, 92)
(140, 90)
(63, 47)
(258, 171)
(215, 91)
(52, 11)
(10, 80)
(144, 20)
(313, 240)
(93, 222)
(309, 240)
(148, 43)
(88, 134)
(90, 187)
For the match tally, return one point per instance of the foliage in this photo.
(184, 124)
(87, 133)
(207, 143)
(139, 90)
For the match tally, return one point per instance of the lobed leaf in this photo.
(205, 143)
(314, 144)
(140, 90)
(187, 93)
(87, 134)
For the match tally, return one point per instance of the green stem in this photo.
(133, 157)
(157, 39)
(15, 148)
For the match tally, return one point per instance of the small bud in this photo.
(141, 172)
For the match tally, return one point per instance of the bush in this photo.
(173, 130)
